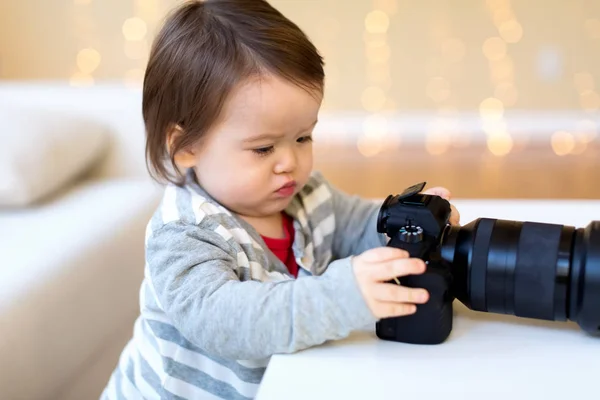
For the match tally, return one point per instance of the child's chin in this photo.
(279, 204)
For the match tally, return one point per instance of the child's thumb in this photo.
(439, 191)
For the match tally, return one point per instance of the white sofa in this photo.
(70, 266)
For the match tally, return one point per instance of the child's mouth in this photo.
(287, 190)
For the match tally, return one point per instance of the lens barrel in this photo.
(527, 269)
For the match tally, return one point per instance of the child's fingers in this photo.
(392, 293)
(383, 254)
(392, 269)
(454, 216)
(439, 191)
(389, 310)
(445, 194)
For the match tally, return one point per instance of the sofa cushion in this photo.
(44, 151)
(69, 281)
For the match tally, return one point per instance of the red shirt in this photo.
(282, 248)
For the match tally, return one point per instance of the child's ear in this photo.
(184, 158)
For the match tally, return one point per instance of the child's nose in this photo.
(287, 162)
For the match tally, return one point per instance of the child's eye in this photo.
(263, 151)
(305, 139)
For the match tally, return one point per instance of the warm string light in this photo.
(443, 131)
(375, 99)
(576, 142)
(563, 142)
(134, 31)
(499, 141)
(328, 45)
(495, 50)
(376, 95)
(136, 46)
(88, 59)
(585, 86)
(586, 131)
(375, 130)
(330, 30)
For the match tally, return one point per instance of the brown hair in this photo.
(204, 49)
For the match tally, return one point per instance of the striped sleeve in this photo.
(193, 276)
(355, 229)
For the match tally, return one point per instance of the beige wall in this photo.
(428, 54)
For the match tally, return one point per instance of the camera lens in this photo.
(527, 269)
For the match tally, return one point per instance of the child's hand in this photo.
(445, 194)
(376, 266)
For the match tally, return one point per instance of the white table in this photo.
(487, 357)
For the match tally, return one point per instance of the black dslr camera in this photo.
(526, 269)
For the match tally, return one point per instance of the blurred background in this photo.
(490, 98)
(493, 99)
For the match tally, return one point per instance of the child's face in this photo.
(262, 143)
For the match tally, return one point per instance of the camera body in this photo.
(417, 222)
(526, 269)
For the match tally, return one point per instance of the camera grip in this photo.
(432, 323)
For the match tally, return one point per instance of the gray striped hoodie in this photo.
(216, 303)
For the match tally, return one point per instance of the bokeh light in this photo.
(491, 109)
(377, 21)
(562, 142)
(88, 60)
(134, 28)
(369, 147)
(500, 144)
(511, 31)
(502, 15)
(580, 147)
(494, 48)
(586, 130)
